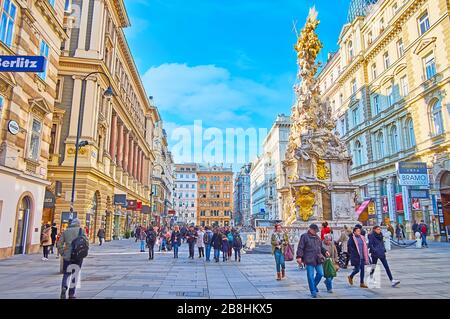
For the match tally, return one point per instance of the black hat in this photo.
(314, 227)
(358, 226)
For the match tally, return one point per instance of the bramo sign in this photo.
(22, 63)
(412, 174)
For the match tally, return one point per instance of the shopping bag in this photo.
(289, 253)
(328, 269)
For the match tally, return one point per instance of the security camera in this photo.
(82, 144)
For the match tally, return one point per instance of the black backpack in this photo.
(150, 237)
(80, 248)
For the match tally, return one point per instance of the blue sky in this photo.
(229, 63)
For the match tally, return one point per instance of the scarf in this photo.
(365, 252)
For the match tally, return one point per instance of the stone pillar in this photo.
(75, 107)
(142, 167)
(138, 164)
(113, 139)
(135, 164)
(120, 146)
(126, 151)
(130, 155)
(131, 163)
(391, 199)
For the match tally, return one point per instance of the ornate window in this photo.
(8, 16)
(376, 104)
(43, 51)
(436, 118)
(358, 153)
(409, 130)
(424, 23)
(400, 48)
(374, 71)
(394, 139)
(350, 50)
(430, 66)
(34, 145)
(380, 145)
(387, 62)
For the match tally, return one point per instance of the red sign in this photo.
(131, 204)
(399, 202)
(171, 212)
(138, 205)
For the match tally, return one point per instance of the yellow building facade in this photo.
(113, 172)
(214, 196)
(27, 104)
(387, 85)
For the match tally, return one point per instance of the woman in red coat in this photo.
(325, 230)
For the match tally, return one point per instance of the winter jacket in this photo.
(225, 243)
(324, 231)
(208, 235)
(151, 236)
(54, 233)
(310, 250)
(142, 235)
(101, 233)
(344, 241)
(46, 239)
(176, 237)
(191, 236)
(376, 245)
(331, 249)
(276, 244)
(200, 235)
(65, 242)
(237, 241)
(353, 250)
(216, 241)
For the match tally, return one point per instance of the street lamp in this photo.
(151, 186)
(109, 93)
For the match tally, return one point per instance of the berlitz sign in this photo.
(22, 63)
(412, 174)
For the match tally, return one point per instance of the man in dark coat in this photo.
(377, 251)
(151, 239)
(311, 253)
(191, 237)
(53, 236)
(216, 242)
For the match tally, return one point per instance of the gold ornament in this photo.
(305, 200)
(322, 170)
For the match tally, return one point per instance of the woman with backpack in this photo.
(46, 240)
(216, 242)
(230, 238)
(176, 240)
(237, 245)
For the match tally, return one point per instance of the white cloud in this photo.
(212, 94)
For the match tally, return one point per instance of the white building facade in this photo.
(185, 194)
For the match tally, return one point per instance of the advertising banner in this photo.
(412, 174)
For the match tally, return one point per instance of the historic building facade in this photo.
(215, 195)
(113, 173)
(387, 85)
(27, 104)
(185, 195)
(241, 197)
(266, 175)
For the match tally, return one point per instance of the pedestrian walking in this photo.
(72, 245)
(279, 240)
(183, 231)
(46, 241)
(359, 255)
(217, 244)
(225, 246)
(176, 240)
(53, 236)
(142, 239)
(311, 253)
(330, 247)
(237, 245)
(200, 242)
(207, 238)
(378, 251)
(325, 230)
(415, 227)
(191, 237)
(151, 240)
(423, 229)
(101, 235)
(399, 233)
(230, 238)
(137, 233)
(343, 242)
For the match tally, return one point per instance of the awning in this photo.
(362, 207)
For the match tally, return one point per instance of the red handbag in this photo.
(289, 253)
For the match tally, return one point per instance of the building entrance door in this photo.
(22, 226)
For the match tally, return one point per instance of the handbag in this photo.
(329, 271)
(289, 253)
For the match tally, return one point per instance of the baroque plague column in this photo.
(316, 169)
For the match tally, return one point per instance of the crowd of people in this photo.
(221, 240)
(323, 257)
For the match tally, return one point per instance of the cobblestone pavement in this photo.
(118, 270)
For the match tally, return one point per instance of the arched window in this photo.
(409, 130)
(358, 153)
(394, 140)
(436, 118)
(380, 145)
(350, 50)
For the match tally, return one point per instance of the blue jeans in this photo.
(142, 245)
(237, 253)
(175, 250)
(424, 240)
(208, 252)
(279, 259)
(329, 283)
(313, 281)
(66, 276)
(358, 268)
(216, 254)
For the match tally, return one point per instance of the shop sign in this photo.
(131, 204)
(145, 209)
(419, 193)
(138, 205)
(49, 200)
(22, 63)
(412, 174)
(371, 208)
(399, 202)
(13, 127)
(66, 216)
(415, 203)
(120, 200)
(385, 204)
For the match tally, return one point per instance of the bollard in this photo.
(387, 240)
(61, 264)
(418, 240)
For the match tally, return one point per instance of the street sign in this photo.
(412, 174)
(13, 127)
(419, 193)
(22, 63)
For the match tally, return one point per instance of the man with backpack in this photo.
(230, 238)
(207, 238)
(151, 239)
(73, 247)
(423, 229)
(191, 237)
(237, 245)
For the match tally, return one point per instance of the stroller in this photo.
(343, 257)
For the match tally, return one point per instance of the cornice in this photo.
(49, 14)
